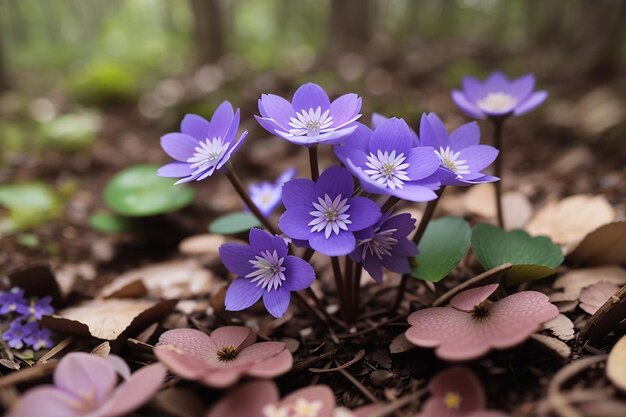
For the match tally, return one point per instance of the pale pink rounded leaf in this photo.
(192, 341)
(467, 300)
(235, 336)
(318, 397)
(454, 392)
(247, 400)
(278, 365)
(180, 362)
(593, 297)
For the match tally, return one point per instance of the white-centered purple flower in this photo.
(498, 96)
(386, 245)
(264, 269)
(386, 162)
(378, 119)
(266, 195)
(202, 147)
(461, 154)
(325, 214)
(310, 119)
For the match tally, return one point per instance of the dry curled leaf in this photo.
(554, 345)
(574, 281)
(604, 246)
(481, 201)
(616, 364)
(593, 297)
(400, 344)
(108, 319)
(560, 326)
(173, 279)
(568, 221)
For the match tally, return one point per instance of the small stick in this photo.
(29, 374)
(388, 205)
(357, 287)
(340, 286)
(359, 355)
(486, 276)
(358, 385)
(497, 136)
(236, 182)
(349, 289)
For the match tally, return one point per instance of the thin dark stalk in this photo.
(497, 138)
(349, 287)
(236, 182)
(357, 287)
(421, 228)
(318, 304)
(334, 261)
(315, 169)
(391, 201)
(304, 305)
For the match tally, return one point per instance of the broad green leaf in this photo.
(72, 131)
(138, 192)
(111, 223)
(442, 247)
(532, 257)
(29, 204)
(234, 223)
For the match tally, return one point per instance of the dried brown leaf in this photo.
(560, 326)
(604, 246)
(400, 344)
(574, 281)
(481, 201)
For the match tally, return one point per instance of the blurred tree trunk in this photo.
(4, 74)
(208, 29)
(350, 25)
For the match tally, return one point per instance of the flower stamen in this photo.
(311, 123)
(270, 272)
(330, 215)
(450, 160)
(387, 169)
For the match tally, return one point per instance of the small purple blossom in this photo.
(36, 308)
(498, 96)
(11, 300)
(39, 339)
(267, 195)
(379, 119)
(325, 214)
(386, 162)
(264, 269)
(202, 147)
(310, 119)
(461, 154)
(386, 245)
(18, 332)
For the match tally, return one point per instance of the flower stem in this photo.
(349, 288)
(304, 305)
(391, 201)
(357, 287)
(315, 169)
(419, 233)
(236, 182)
(497, 138)
(340, 286)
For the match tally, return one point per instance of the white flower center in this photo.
(303, 408)
(497, 102)
(269, 272)
(271, 410)
(311, 123)
(387, 169)
(330, 215)
(450, 160)
(380, 244)
(207, 154)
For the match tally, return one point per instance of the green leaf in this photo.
(532, 257)
(138, 192)
(111, 223)
(29, 204)
(234, 223)
(442, 247)
(71, 131)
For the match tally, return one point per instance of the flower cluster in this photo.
(22, 327)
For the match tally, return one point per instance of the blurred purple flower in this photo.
(310, 119)
(39, 339)
(471, 325)
(267, 195)
(456, 392)
(11, 300)
(202, 147)
(462, 157)
(264, 269)
(221, 359)
(386, 245)
(36, 308)
(85, 386)
(498, 96)
(18, 331)
(385, 161)
(324, 212)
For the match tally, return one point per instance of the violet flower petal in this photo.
(221, 121)
(336, 245)
(195, 126)
(531, 103)
(179, 146)
(465, 135)
(277, 301)
(310, 96)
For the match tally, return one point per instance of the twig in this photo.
(372, 328)
(486, 276)
(340, 286)
(236, 182)
(29, 374)
(56, 349)
(359, 355)
(358, 385)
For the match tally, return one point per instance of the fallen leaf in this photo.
(616, 364)
(399, 344)
(204, 244)
(574, 281)
(561, 327)
(554, 345)
(173, 279)
(594, 296)
(37, 280)
(481, 201)
(604, 246)
(568, 221)
(179, 403)
(606, 319)
(108, 319)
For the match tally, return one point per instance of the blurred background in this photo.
(88, 87)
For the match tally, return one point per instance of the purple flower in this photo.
(202, 147)
(85, 386)
(310, 118)
(462, 157)
(39, 339)
(386, 245)
(385, 161)
(267, 195)
(324, 212)
(36, 309)
(498, 96)
(264, 269)
(16, 334)
(379, 119)
(11, 300)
